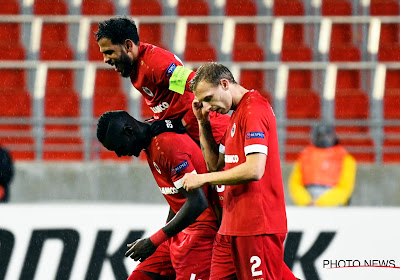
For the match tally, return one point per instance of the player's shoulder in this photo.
(154, 55)
(176, 143)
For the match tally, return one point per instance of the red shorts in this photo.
(183, 256)
(249, 257)
(219, 123)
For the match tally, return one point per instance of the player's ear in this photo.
(128, 44)
(224, 84)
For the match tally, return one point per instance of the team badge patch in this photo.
(233, 130)
(149, 93)
(255, 134)
(156, 167)
(179, 167)
(170, 70)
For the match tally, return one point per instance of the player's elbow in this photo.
(256, 173)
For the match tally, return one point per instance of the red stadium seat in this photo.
(149, 32)
(389, 44)
(62, 139)
(245, 46)
(198, 47)
(97, 7)
(16, 103)
(391, 105)
(255, 79)
(108, 95)
(10, 33)
(54, 40)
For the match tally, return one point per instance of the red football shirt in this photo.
(151, 77)
(170, 157)
(257, 207)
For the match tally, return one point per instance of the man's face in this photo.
(214, 98)
(117, 56)
(121, 142)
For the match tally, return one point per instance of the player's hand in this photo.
(202, 114)
(141, 249)
(161, 126)
(192, 181)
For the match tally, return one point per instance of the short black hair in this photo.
(105, 120)
(118, 30)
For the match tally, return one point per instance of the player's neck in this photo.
(237, 95)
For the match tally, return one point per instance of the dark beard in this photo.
(127, 66)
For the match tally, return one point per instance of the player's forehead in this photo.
(106, 44)
(205, 90)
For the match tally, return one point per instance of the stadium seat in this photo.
(389, 44)
(302, 103)
(198, 46)
(90, 8)
(391, 105)
(97, 7)
(108, 95)
(245, 46)
(62, 139)
(10, 33)
(149, 32)
(293, 45)
(16, 104)
(255, 79)
(348, 84)
(54, 40)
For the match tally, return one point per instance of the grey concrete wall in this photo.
(376, 185)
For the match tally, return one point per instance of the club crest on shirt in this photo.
(233, 130)
(156, 167)
(146, 90)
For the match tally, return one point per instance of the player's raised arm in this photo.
(209, 146)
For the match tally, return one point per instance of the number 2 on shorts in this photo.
(256, 261)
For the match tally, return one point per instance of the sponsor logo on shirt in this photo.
(160, 107)
(170, 70)
(156, 167)
(255, 134)
(231, 158)
(149, 92)
(179, 167)
(169, 190)
(233, 130)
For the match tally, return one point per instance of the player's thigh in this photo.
(222, 265)
(259, 256)
(191, 256)
(158, 263)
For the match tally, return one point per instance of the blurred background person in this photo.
(6, 174)
(324, 174)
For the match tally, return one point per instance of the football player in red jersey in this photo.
(182, 248)
(157, 74)
(249, 243)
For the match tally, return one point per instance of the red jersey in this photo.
(170, 157)
(151, 77)
(256, 207)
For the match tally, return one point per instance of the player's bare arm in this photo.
(196, 203)
(251, 170)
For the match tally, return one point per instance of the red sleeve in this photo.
(256, 130)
